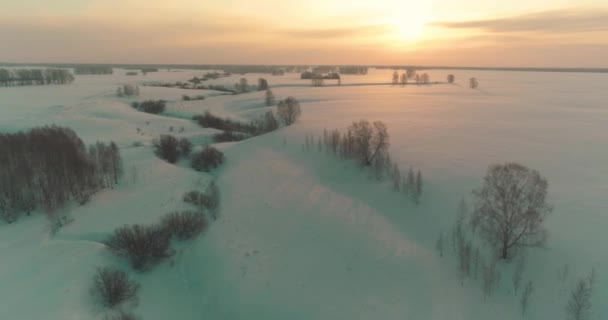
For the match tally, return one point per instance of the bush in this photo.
(208, 200)
(208, 120)
(114, 287)
(167, 148)
(208, 159)
(184, 225)
(185, 146)
(144, 246)
(228, 136)
(150, 106)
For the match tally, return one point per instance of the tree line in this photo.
(367, 143)
(32, 77)
(93, 70)
(48, 166)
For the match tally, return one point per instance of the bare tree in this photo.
(579, 305)
(418, 189)
(396, 177)
(525, 297)
(269, 98)
(517, 274)
(403, 79)
(395, 77)
(370, 140)
(510, 207)
(114, 287)
(289, 110)
(473, 83)
(451, 78)
(439, 244)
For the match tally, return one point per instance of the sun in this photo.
(409, 29)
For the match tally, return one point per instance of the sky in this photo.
(503, 33)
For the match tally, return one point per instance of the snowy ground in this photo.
(302, 235)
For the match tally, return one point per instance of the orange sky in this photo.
(539, 33)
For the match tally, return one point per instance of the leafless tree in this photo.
(525, 297)
(395, 77)
(396, 177)
(425, 78)
(269, 98)
(473, 83)
(289, 110)
(439, 244)
(451, 78)
(579, 305)
(403, 79)
(410, 72)
(113, 287)
(517, 275)
(510, 207)
(370, 140)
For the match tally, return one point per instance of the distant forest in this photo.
(242, 69)
(93, 70)
(47, 167)
(33, 77)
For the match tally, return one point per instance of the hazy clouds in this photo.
(272, 31)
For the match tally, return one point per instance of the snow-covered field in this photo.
(303, 235)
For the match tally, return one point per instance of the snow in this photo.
(302, 235)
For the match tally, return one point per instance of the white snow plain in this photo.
(302, 235)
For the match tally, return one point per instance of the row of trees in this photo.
(409, 74)
(28, 77)
(93, 70)
(367, 143)
(49, 166)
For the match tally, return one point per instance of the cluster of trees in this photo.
(367, 143)
(93, 70)
(127, 90)
(29, 77)
(131, 73)
(169, 148)
(236, 131)
(49, 166)
(278, 72)
(150, 106)
(241, 86)
(410, 74)
(186, 85)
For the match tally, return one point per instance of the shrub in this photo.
(167, 148)
(150, 106)
(228, 136)
(184, 225)
(144, 246)
(114, 287)
(185, 146)
(208, 200)
(208, 159)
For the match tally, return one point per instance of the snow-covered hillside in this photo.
(302, 235)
